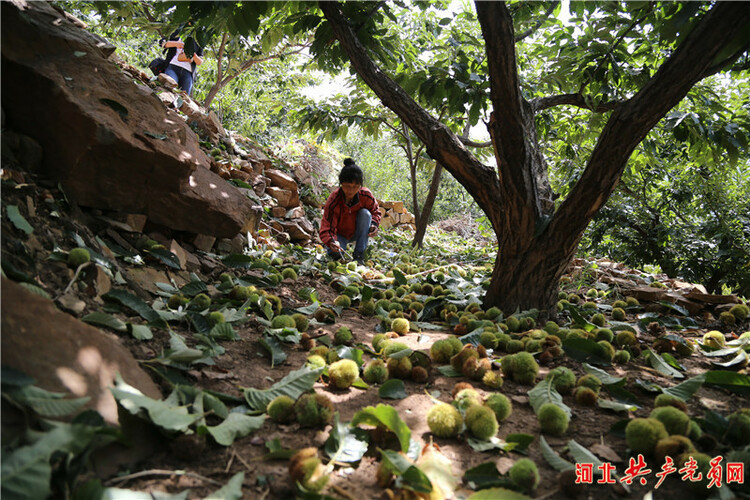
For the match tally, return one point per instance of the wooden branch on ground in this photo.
(161, 472)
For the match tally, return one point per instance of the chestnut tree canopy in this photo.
(638, 61)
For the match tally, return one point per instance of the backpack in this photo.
(158, 65)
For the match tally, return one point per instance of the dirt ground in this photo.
(200, 465)
(245, 365)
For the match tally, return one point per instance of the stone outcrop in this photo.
(63, 354)
(109, 142)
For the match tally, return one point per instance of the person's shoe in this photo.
(359, 258)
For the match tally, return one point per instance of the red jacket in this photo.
(340, 218)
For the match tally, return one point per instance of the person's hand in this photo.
(335, 247)
(373, 232)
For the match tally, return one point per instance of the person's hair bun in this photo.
(348, 161)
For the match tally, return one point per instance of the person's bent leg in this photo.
(187, 82)
(361, 234)
(172, 73)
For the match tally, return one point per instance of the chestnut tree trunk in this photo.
(537, 242)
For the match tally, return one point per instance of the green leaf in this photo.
(230, 491)
(449, 371)
(136, 304)
(360, 384)
(223, 331)
(605, 377)
(674, 307)
(493, 443)
(608, 404)
(544, 392)
(399, 277)
(205, 401)
(672, 361)
(185, 355)
(739, 361)
(347, 352)
(308, 310)
(277, 452)
(18, 220)
(35, 290)
(426, 326)
(161, 137)
(167, 288)
(45, 403)
(498, 494)
(521, 441)
(104, 319)
(578, 320)
(293, 385)
(556, 461)
(345, 444)
(166, 257)
(10, 377)
(194, 288)
(386, 416)
(236, 425)
(585, 351)
(272, 344)
(26, 472)
(17, 275)
(161, 413)
(658, 363)
(472, 337)
(617, 326)
(649, 386)
(308, 293)
(413, 477)
(392, 389)
(484, 476)
(140, 332)
(119, 108)
(731, 381)
(431, 306)
(686, 389)
(583, 455)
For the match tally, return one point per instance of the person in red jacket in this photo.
(350, 214)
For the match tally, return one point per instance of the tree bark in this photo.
(412, 169)
(424, 219)
(536, 244)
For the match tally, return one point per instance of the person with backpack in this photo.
(182, 58)
(351, 214)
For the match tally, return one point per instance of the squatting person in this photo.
(350, 214)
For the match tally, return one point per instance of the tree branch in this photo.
(632, 120)
(369, 15)
(521, 168)
(718, 67)
(538, 22)
(636, 22)
(541, 103)
(473, 144)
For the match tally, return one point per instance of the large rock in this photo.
(285, 197)
(63, 354)
(110, 142)
(281, 179)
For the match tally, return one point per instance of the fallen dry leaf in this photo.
(605, 452)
